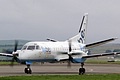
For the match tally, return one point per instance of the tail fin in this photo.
(80, 37)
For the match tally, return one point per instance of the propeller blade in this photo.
(14, 54)
(14, 59)
(12, 62)
(70, 58)
(16, 45)
(69, 43)
(69, 64)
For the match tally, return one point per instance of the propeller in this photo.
(70, 57)
(14, 53)
(16, 45)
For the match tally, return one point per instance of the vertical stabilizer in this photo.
(80, 37)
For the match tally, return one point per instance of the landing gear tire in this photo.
(25, 70)
(81, 71)
(28, 71)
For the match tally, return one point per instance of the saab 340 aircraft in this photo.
(72, 50)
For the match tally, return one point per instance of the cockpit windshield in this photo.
(31, 47)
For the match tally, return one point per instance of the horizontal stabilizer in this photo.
(99, 43)
(52, 40)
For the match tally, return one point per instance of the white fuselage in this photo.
(48, 51)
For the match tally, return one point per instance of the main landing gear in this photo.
(28, 70)
(81, 70)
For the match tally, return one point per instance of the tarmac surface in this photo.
(59, 69)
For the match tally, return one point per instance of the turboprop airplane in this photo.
(72, 50)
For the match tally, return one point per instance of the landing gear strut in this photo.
(81, 70)
(28, 70)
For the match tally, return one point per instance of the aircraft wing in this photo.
(74, 52)
(102, 54)
(99, 43)
(6, 54)
(63, 57)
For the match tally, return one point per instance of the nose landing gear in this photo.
(28, 70)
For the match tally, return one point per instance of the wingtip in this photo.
(115, 38)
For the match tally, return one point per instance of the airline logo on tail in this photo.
(82, 30)
(82, 38)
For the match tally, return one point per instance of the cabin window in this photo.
(31, 48)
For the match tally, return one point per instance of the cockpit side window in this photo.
(37, 47)
(31, 48)
(24, 47)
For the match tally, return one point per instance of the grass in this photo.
(101, 62)
(65, 77)
(6, 63)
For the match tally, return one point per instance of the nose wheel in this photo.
(81, 70)
(28, 70)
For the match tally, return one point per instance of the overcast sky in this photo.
(58, 19)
